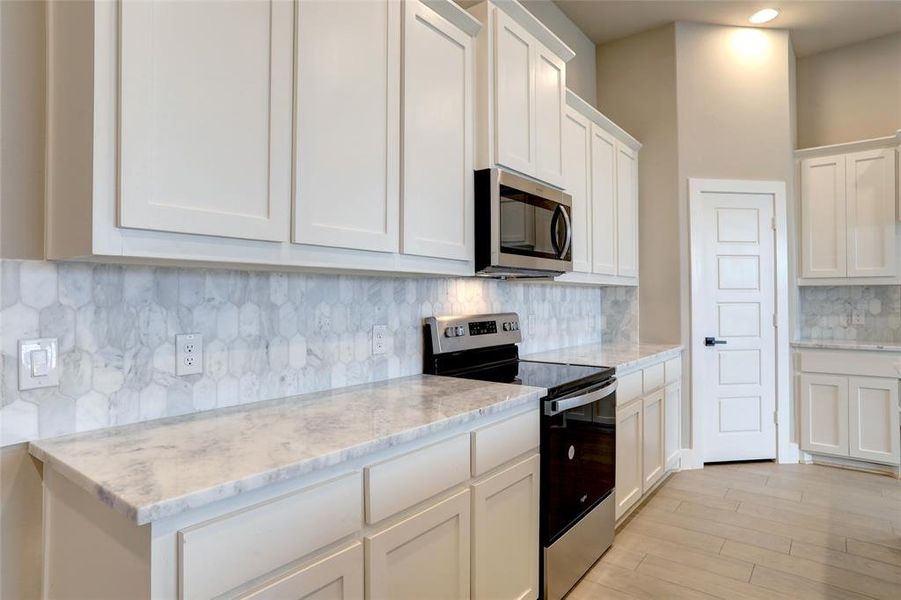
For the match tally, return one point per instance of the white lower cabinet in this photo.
(824, 414)
(672, 444)
(628, 456)
(338, 576)
(505, 533)
(652, 440)
(873, 423)
(423, 556)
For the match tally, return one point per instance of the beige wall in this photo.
(20, 523)
(22, 52)
(581, 74)
(637, 89)
(850, 93)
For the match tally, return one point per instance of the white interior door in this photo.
(733, 302)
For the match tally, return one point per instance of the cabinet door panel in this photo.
(423, 556)
(335, 577)
(514, 72)
(824, 414)
(205, 123)
(673, 423)
(603, 202)
(626, 212)
(628, 457)
(505, 533)
(870, 185)
(348, 124)
(577, 181)
(550, 99)
(437, 174)
(652, 439)
(823, 218)
(873, 412)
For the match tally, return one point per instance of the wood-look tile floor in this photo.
(758, 530)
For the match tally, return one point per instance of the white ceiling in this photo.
(815, 25)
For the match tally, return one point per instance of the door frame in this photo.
(786, 450)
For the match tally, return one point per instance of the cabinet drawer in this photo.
(653, 378)
(496, 444)
(219, 555)
(628, 388)
(673, 370)
(399, 483)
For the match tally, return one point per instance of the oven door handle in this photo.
(555, 407)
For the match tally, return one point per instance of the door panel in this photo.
(824, 414)
(577, 181)
(205, 123)
(873, 411)
(437, 108)
(603, 202)
(514, 83)
(550, 99)
(736, 306)
(348, 124)
(652, 440)
(626, 212)
(823, 217)
(628, 457)
(870, 185)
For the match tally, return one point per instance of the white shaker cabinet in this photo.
(424, 556)
(604, 232)
(628, 456)
(673, 424)
(437, 183)
(204, 136)
(824, 414)
(520, 93)
(505, 533)
(335, 577)
(348, 124)
(626, 211)
(652, 436)
(873, 419)
(849, 230)
(577, 177)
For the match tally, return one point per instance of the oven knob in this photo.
(515, 325)
(572, 452)
(461, 330)
(508, 327)
(450, 332)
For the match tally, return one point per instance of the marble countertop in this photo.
(848, 345)
(156, 469)
(626, 357)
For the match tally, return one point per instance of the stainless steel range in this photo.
(578, 436)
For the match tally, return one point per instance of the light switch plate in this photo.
(38, 363)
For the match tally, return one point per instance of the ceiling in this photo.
(815, 25)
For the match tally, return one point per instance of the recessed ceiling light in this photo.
(764, 15)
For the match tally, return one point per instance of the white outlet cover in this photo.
(379, 339)
(188, 354)
(38, 363)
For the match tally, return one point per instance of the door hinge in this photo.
(775, 417)
(773, 223)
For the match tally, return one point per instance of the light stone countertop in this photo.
(848, 345)
(156, 469)
(626, 357)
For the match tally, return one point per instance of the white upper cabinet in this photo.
(348, 124)
(437, 197)
(601, 175)
(870, 184)
(577, 177)
(205, 123)
(848, 212)
(521, 87)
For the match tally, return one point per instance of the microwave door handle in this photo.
(554, 220)
(554, 407)
(569, 232)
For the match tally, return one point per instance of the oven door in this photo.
(531, 225)
(578, 457)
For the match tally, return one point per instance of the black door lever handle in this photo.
(712, 341)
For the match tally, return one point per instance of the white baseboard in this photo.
(691, 459)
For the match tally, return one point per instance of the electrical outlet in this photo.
(188, 354)
(858, 317)
(379, 339)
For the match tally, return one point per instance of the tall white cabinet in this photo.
(520, 93)
(331, 135)
(601, 175)
(849, 232)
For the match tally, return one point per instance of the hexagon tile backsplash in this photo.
(826, 313)
(266, 334)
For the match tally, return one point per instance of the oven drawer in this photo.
(498, 443)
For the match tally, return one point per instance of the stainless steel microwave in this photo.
(523, 228)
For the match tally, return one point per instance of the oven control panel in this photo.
(452, 334)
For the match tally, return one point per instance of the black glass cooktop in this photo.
(558, 379)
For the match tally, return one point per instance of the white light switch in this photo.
(38, 363)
